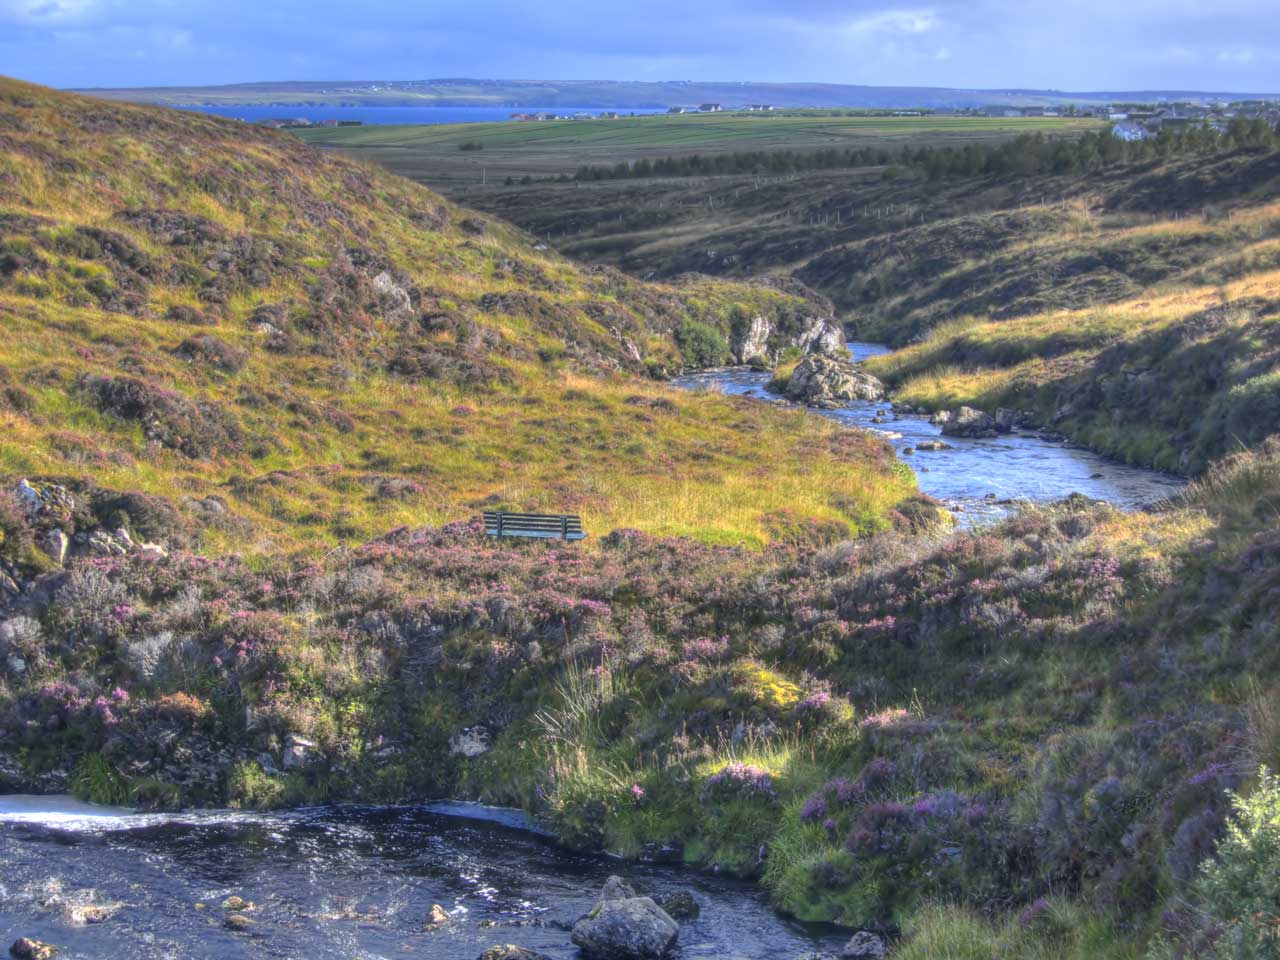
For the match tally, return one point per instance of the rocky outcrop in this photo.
(968, 422)
(298, 752)
(753, 342)
(761, 343)
(821, 336)
(632, 929)
(820, 381)
(469, 743)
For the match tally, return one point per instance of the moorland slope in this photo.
(1015, 741)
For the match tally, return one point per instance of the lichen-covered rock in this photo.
(632, 929)
(820, 381)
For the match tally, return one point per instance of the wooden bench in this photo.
(548, 526)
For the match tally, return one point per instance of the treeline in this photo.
(1027, 154)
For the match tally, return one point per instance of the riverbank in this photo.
(980, 479)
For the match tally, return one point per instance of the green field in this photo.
(434, 154)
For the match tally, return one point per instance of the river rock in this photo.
(823, 382)
(471, 742)
(436, 918)
(25, 948)
(864, 945)
(933, 445)
(631, 929)
(510, 951)
(615, 888)
(822, 336)
(968, 422)
(680, 906)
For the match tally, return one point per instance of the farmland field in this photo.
(435, 155)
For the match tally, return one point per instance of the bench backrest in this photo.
(549, 526)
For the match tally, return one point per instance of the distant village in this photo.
(1131, 121)
(1134, 121)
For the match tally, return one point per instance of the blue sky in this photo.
(1063, 44)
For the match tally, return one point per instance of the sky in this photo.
(1224, 45)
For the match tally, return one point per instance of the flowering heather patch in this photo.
(889, 717)
(705, 649)
(742, 780)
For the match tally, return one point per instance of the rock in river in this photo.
(968, 422)
(631, 929)
(510, 951)
(823, 382)
(24, 948)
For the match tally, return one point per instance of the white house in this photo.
(1130, 132)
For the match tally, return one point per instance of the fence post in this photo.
(564, 526)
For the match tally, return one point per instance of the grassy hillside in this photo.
(290, 369)
(197, 307)
(1129, 307)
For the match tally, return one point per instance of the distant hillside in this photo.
(322, 350)
(634, 94)
(1130, 305)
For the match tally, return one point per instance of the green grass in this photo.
(528, 396)
(684, 132)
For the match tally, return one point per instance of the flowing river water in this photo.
(979, 479)
(348, 882)
(336, 883)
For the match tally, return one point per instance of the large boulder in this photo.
(615, 888)
(823, 382)
(968, 422)
(632, 929)
(821, 336)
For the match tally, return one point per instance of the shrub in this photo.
(1239, 890)
(701, 344)
(15, 532)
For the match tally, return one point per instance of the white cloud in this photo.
(46, 12)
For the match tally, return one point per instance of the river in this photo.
(336, 882)
(978, 479)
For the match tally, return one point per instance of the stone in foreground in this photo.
(631, 929)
